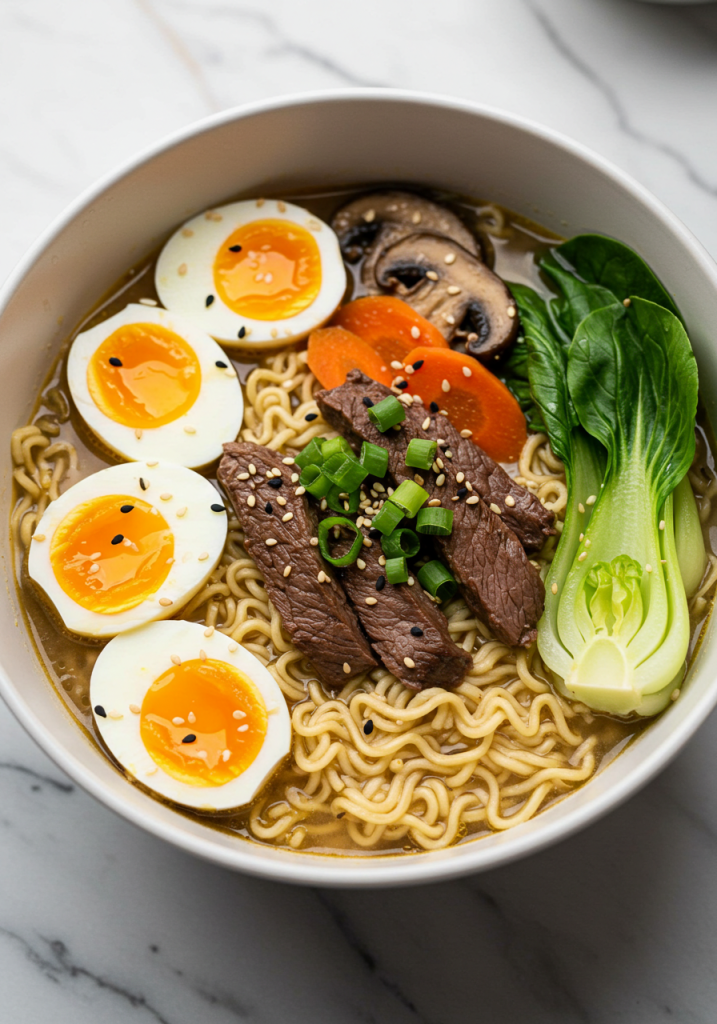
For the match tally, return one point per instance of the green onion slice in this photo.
(311, 455)
(325, 526)
(387, 413)
(401, 544)
(421, 453)
(436, 579)
(409, 497)
(396, 570)
(435, 520)
(336, 446)
(348, 505)
(387, 518)
(374, 459)
(345, 471)
(314, 481)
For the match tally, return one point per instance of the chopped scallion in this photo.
(421, 453)
(409, 497)
(396, 570)
(435, 520)
(374, 459)
(348, 504)
(436, 579)
(336, 446)
(314, 481)
(344, 470)
(311, 455)
(387, 518)
(325, 526)
(401, 543)
(387, 413)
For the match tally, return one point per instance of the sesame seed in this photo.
(396, 365)
(440, 479)
(627, 302)
(509, 500)
(203, 654)
(287, 571)
(426, 423)
(591, 500)
(189, 738)
(368, 727)
(38, 536)
(588, 542)
(251, 501)
(453, 289)
(662, 524)
(294, 478)
(116, 715)
(419, 479)
(216, 507)
(410, 581)
(270, 542)
(280, 500)
(582, 556)
(431, 275)
(175, 659)
(381, 559)
(511, 311)
(460, 477)
(347, 668)
(99, 710)
(466, 433)
(415, 332)
(252, 468)
(449, 318)
(135, 709)
(449, 258)
(367, 543)
(469, 485)
(434, 501)
(360, 563)
(581, 507)
(117, 539)
(648, 567)
(182, 269)
(369, 216)
(233, 647)
(143, 484)
(467, 372)
(494, 508)
(299, 491)
(226, 754)
(473, 500)
(371, 600)
(181, 512)
(314, 541)
(311, 416)
(440, 463)
(177, 721)
(242, 476)
(165, 496)
(165, 602)
(287, 517)
(409, 662)
(190, 430)
(138, 434)
(209, 631)
(238, 714)
(445, 386)
(380, 582)
(203, 557)
(322, 577)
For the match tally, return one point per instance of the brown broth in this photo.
(512, 246)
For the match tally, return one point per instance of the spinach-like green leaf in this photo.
(632, 377)
(515, 377)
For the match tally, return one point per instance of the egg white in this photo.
(126, 669)
(195, 438)
(198, 531)
(186, 292)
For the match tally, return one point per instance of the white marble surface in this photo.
(99, 923)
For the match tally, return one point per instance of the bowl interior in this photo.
(324, 141)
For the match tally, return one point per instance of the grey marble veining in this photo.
(101, 923)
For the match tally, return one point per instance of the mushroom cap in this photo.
(367, 226)
(453, 289)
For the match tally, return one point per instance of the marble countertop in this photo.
(101, 923)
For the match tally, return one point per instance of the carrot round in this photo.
(334, 351)
(389, 326)
(472, 397)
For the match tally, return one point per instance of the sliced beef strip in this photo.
(344, 409)
(317, 616)
(390, 615)
(496, 578)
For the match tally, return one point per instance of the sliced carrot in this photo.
(472, 397)
(389, 326)
(333, 352)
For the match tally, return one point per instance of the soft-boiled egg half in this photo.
(253, 274)
(148, 382)
(190, 714)
(127, 545)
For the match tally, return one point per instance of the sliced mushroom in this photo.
(455, 291)
(370, 224)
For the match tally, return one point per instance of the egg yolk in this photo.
(111, 553)
(144, 376)
(268, 270)
(203, 722)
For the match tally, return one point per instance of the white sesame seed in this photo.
(182, 269)
(322, 577)
(288, 461)
(177, 721)
(115, 714)
(251, 501)
(419, 479)
(294, 478)
(434, 501)
(232, 648)
(648, 567)
(410, 581)
(415, 332)
(431, 275)
(360, 563)
(582, 556)
(371, 600)
(466, 433)
(226, 754)
(426, 423)
(260, 202)
(347, 668)
(440, 464)
(453, 289)
(409, 662)
(381, 559)
(203, 655)
(238, 714)
(287, 517)
(440, 479)
(151, 465)
(511, 311)
(135, 709)
(38, 536)
(165, 602)
(324, 504)
(554, 588)
(203, 557)
(396, 365)
(473, 500)
(287, 571)
(495, 508)
(242, 476)
(270, 542)
(165, 496)
(662, 524)
(581, 507)
(190, 430)
(299, 491)
(449, 318)
(252, 468)
(175, 659)
(314, 541)
(469, 485)
(509, 500)
(242, 728)
(150, 302)
(627, 302)
(138, 434)
(288, 384)
(588, 542)
(591, 500)
(369, 216)
(467, 372)
(281, 501)
(445, 386)
(181, 512)
(675, 693)
(449, 258)
(367, 542)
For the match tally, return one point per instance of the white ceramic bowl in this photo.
(320, 140)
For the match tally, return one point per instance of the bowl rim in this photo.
(375, 871)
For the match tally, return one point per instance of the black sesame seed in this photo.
(99, 710)
(276, 482)
(143, 484)
(368, 727)
(234, 248)
(221, 364)
(209, 300)
(418, 364)
(416, 631)
(462, 491)
(367, 401)
(189, 738)
(268, 508)
(311, 416)
(373, 533)
(218, 508)
(242, 332)
(114, 361)
(118, 539)
(402, 384)
(380, 583)
(341, 814)
(126, 508)
(434, 406)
